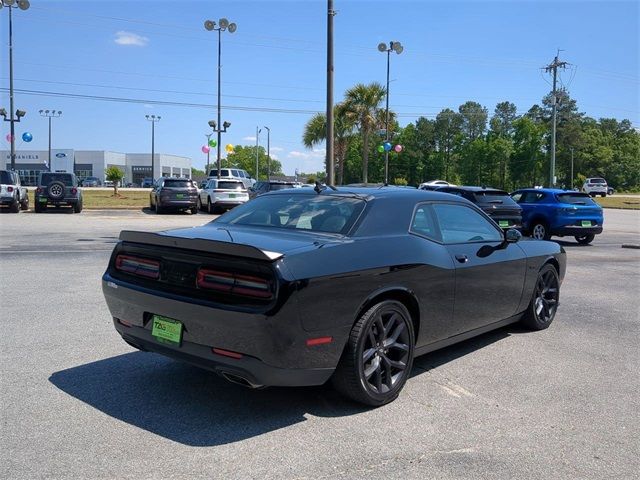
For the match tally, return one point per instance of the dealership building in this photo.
(92, 163)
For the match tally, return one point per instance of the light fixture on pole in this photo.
(50, 114)
(210, 25)
(268, 152)
(214, 126)
(258, 130)
(22, 5)
(153, 119)
(398, 48)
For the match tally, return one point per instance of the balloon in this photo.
(27, 137)
(213, 143)
(229, 148)
(205, 149)
(8, 137)
(398, 148)
(380, 148)
(387, 146)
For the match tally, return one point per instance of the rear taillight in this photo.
(39, 190)
(138, 266)
(9, 189)
(74, 190)
(234, 283)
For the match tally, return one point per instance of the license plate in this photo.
(503, 223)
(232, 195)
(166, 330)
(42, 200)
(179, 195)
(586, 223)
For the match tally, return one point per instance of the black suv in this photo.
(58, 189)
(272, 185)
(495, 203)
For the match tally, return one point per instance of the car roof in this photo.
(545, 190)
(474, 189)
(370, 193)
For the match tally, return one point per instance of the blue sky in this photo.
(274, 65)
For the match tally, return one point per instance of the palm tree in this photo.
(315, 132)
(363, 104)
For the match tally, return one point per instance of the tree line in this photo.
(468, 146)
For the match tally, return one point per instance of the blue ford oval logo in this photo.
(61, 155)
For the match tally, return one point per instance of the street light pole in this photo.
(258, 130)
(268, 153)
(208, 135)
(153, 119)
(22, 5)
(50, 114)
(210, 25)
(398, 48)
(329, 134)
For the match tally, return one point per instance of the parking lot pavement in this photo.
(77, 402)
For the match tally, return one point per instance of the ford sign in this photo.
(61, 155)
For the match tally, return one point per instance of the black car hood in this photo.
(254, 242)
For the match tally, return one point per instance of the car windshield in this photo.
(64, 178)
(171, 183)
(575, 198)
(229, 185)
(281, 186)
(315, 213)
(493, 196)
(5, 178)
(597, 180)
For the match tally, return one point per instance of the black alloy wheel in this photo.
(544, 303)
(585, 239)
(378, 357)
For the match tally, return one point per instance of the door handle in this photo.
(462, 258)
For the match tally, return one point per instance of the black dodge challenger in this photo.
(298, 286)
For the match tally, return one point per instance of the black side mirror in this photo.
(512, 235)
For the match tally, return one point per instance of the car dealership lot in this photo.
(77, 402)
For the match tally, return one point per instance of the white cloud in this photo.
(129, 38)
(313, 154)
(249, 139)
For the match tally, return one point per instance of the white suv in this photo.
(233, 173)
(595, 186)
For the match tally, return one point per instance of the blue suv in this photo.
(548, 211)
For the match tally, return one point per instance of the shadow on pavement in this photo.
(197, 408)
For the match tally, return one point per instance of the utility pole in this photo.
(329, 136)
(553, 67)
(268, 152)
(153, 119)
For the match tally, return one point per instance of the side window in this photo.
(516, 197)
(539, 197)
(460, 224)
(424, 223)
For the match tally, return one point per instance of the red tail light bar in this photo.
(138, 266)
(9, 189)
(233, 283)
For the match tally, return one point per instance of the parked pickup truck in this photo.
(12, 193)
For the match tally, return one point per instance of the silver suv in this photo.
(595, 186)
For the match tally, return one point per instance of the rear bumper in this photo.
(178, 203)
(255, 372)
(272, 344)
(229, 203)
(573, 231)
(7, 200)
(62, 201)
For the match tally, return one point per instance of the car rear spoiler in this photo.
(199, 244)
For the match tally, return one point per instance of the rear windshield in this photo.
(224, 172)
(493, 196)
(281, 186)
(312, 213)
(177, 183)
(575, 198)
(65, 178)
(5, 178)
(597, 180)
(229, 185)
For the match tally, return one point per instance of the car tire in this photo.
(199, 204)
(603, 195)
(55, 190)
(585, 239)
(77, 208)
(194, 210)
(158, 208)
(544, 300)
(377, 359)
(24, 203)
(15, 207)
(210, 208)
(39, 207)
(540, 231)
